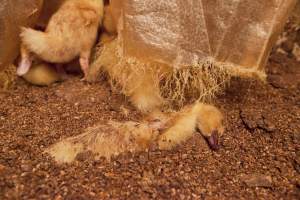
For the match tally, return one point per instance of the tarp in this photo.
(13, 14)
(179, 33)
(182, 33)
(49, 7)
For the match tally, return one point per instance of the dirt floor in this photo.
(259, 156)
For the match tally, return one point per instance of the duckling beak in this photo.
(213, 140)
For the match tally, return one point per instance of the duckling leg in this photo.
(84, 61)
(25, 63)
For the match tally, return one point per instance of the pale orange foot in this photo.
(25, 63)
(84, 61)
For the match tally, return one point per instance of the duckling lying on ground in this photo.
(166, 130)
(42, 74)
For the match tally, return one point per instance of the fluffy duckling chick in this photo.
(71, 32)
(105, 140)
(165, 129)
(42, 74)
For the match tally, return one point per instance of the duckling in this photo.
(71, 32)
(42, 74)
(105, 140)
(164, 130)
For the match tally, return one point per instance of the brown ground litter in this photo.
(261, 142)
(259, 156)
(7, 77)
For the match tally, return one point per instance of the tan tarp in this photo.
(176, 32)
(49, 7)
(13, 14)
(182, 33)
